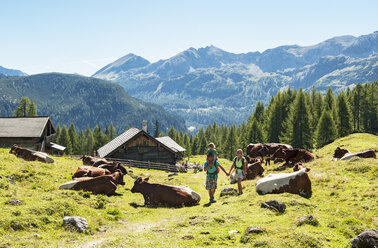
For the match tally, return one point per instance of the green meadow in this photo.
(344, 203)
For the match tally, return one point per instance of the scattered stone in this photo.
(250, 230)
(228, 191)
(75, 223)
(308, 219)
(172, 174)
(274, 205)
(233, 232)
(36, 235)
(14, 202)
(366, 239)
(205, 232)
(188, 237)
(224, 203)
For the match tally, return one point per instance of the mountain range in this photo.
(84, 101)
(209, 84)
(11, 72)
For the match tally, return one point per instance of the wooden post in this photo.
(149, 164)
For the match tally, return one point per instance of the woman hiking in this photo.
(240, 164)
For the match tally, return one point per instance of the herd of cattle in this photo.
(99, 176)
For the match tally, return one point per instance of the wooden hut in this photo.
(30, 132)
(136, 144)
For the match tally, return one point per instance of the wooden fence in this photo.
(145, 165)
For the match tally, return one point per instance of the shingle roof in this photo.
(117, 142)
(168, 142)
(29, 127)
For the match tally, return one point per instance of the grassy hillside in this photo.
(85, 101)
(344, 202)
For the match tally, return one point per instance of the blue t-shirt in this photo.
(212, 171)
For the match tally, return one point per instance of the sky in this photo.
(82, 36)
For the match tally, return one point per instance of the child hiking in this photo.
(240, 164)
(212, 150)
(211, 167)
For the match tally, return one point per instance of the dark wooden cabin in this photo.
(29, 132)
(137, 144)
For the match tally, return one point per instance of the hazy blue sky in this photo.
(84, 35)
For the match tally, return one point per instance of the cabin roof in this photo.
(22, 127)
(126, 137)
(167, 141)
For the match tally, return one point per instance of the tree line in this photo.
(302, 119)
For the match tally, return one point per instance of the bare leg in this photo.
(240, 185)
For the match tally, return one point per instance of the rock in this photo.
(366, 239)
(188, 237)
(233, 232)
(308, 219)
(14, 202)
(75, 223)
(205, 232)
(250, 230)
(228, 191)
(274, 205)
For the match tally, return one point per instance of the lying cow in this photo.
(365, 154)
(339, 153)
(270, 148)
(30, 155)
(90, 171)
(293, 155)
(105, 185)
(113, 166)
(296, 183)
(255, 169)
(159, 194)
(92, 161)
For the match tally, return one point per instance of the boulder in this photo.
(250, 230)
(14, 202)
(228, 191)
(274, 205)
(75, 223)
(308, 219)
(366, 239)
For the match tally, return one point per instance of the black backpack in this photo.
(243, 161)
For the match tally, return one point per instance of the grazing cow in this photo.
(92, 161)
(105, 185)
(270, 148)
(296, 183)
(113, 166)
(293, 155)
(90, 171)
(365, 154)
(339, 153)
(159, 194)
(30, 155)
(254, 151)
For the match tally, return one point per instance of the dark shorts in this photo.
(211, 183)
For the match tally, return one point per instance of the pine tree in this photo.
(203, 145)
(255, 134)
(112, 131)
(156, 129)
(258, 114)
(195, 145)
(344, 115)
(231, 143)
(89, 141)
(81, 143)
(356, 107)
(298, 127)
(74, 139)
(99, 137)
(57, 129)
(186, 143)
(326, 131)
(64, 140)
(275, 120)
(172, 133)
(32, 110)
(22, 109)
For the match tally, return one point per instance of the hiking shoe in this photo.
(240, 193)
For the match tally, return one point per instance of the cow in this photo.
(269, 149)
(297, 182)
(105, 184)
(293, 155)
(339, 153)
(255, 169)
(90, 171)
(159, 194)
(364, 154)
(298, 167)
(30, 155)
(254, 151)
(92, 161)
(113, 166)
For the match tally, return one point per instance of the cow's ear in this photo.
(139, 180)
(146, 179)
(308, 169)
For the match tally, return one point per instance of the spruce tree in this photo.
(255, 134)
(81, 143)
(195, 146)
(89, 141)
(344, 115)
(231, 143)
(74, 139)
(64, 140)
(172, 133)
(356, 106)
(275, 120)
(186, 143)
(156, 129)
(326, 131)
(22, 109)
(32, 110)
(203, 145)
(258, 114)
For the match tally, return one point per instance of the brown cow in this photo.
(159, 194)
(105, 185)
(299, 166)
(90, 171)
(339, 152)
(254, 151)
(113, 166)
(30, 155)
(254, 170)
(270, 148)
(296, 182)
(293, 155)
(364, 154)
(92, 161)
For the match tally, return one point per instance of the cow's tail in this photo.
(68, 185)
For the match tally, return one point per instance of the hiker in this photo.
(212, 150)
(212, 169)
(240, 164)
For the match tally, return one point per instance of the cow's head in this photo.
(139, 185)
(13, 149)
(280, 153)
(299, 166)
(121, 168)
(339, 152)
(118, 175)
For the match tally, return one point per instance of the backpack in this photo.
(217, 171)
(243, 161)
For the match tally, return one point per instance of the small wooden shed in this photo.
(30, 132)
(136, 144)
